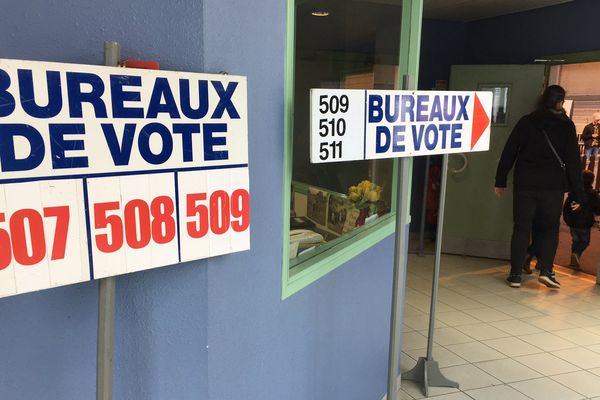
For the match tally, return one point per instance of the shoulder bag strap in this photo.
(560, 161)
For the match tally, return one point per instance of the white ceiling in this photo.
(472, 10)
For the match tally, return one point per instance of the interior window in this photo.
(500, 98)
(339, 44)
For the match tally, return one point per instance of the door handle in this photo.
(463, 166)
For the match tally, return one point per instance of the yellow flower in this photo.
(373, 196)
(364, 192)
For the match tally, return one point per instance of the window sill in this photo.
(321, 263)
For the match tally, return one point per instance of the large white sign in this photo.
(105, 171)
(351, 124)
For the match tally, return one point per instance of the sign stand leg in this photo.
(400, 259)
(427, 370)
(106, 330)
(424, 209)
(106, 298)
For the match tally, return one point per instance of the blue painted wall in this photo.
(520, 38)
(442, 45)
(215, 329)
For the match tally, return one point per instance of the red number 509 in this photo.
(221, 212)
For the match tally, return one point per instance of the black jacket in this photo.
(582, 218)
(587, 138)
(537, 168)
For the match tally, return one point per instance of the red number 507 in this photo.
(221, 212)
(25, 241)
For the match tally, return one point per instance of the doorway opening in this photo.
(582, 83)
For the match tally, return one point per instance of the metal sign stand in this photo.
(400, 259)
(427, 370)
(421, 251)
(106, 299)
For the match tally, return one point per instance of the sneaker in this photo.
(527, 266)
(514, 281)
(549, 280)
(575, 261)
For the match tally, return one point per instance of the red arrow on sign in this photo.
(480, 122)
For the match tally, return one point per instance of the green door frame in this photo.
(410, 42)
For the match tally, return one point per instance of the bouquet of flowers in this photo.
(365, 195)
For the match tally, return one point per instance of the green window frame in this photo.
(308, 271)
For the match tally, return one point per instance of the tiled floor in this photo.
(502, 343)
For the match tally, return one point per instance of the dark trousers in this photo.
(545, 207)
(581, 240)
(532, 250)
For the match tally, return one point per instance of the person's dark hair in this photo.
(588, 177)
(552, 95)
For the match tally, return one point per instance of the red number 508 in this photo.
(140, 223)
(221, 212)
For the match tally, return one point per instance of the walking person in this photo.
(581, 220)
(591, 141)
(543, 148)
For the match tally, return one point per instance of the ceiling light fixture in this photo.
(320, 13)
